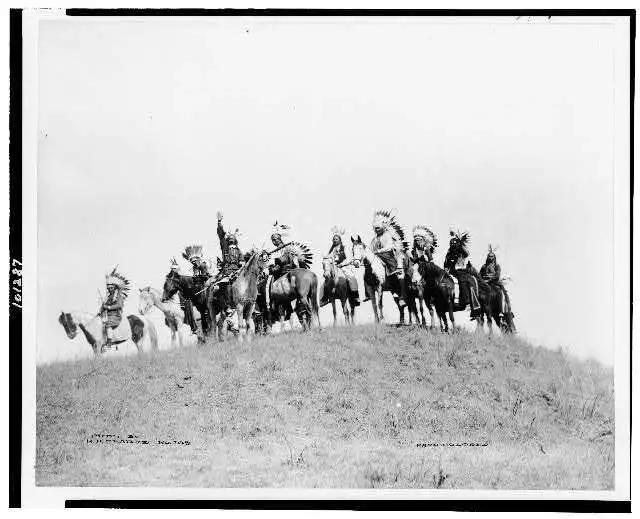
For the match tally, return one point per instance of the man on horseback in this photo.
(286, 257)
(455, 263)
(424, 243)
(388, 244)
(232, 258)
(113, 306)
(201, 267)
(491, 273)
(337, 253)
(289, 256)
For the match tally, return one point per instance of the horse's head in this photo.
(69, 325)
(327, 266)
(358, 249)
(416, 277)
(146, 300)
(171, 285)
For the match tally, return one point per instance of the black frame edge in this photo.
(368, 505)
(15, 252)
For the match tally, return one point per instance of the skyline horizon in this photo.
(147, 127)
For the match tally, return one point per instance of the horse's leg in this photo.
(345, 308)
(380, 305)
(353, 312)
(335, 315)
(370, 293)
(251, 325)
(451, 318)
(243, 324)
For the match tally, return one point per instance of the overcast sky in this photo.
(148, 126)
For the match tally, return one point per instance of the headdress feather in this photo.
(281, 229)
(335, 230)
(116, 278)
(387, 220)
(191, 251)
(463, 239)
(301, 252)
(235, 234)
(427, 234)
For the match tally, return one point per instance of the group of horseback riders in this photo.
(388, 244)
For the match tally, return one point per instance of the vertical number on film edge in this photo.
(16, 283)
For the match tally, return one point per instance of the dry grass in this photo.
(347, 407)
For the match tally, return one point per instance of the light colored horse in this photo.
(173, 314)
(376, 281)
(240, 295)
(92, 327)
(336, 286)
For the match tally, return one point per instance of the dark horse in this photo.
(438, 288)
(299, 285)
(193, 292)
(497, 307)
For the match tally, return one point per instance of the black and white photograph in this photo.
(325, 255)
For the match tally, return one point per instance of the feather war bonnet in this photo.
(386, 220)
(192, 251)
(427, 234)
(117, 279)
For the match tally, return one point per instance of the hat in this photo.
(337, 231)
(174, 265)
(462, 238)
(387, 221)
(425, 233)
(192, 251)
(117, 279)
(233, 235)
(280, 230)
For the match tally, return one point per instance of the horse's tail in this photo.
(152, 333)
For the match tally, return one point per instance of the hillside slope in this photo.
(349, 407)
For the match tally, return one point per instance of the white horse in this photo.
(173, 314)
(376, 280)
(135, 328)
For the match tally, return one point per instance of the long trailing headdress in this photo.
(387, 220)
(427, 234)
(280, 229)
(192, 251)
(117, 279)
(459, 242)
(299, 251)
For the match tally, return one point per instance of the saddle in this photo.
(120, 333)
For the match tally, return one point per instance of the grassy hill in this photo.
(368, 406)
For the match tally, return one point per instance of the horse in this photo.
(336, 286)
(173, 314)
(415, 291)
(240, 294)
(494, 304)
(192, 292)
(376, 281)
(500, 310)
(439, 288)
(299, 285)
(93, 329)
